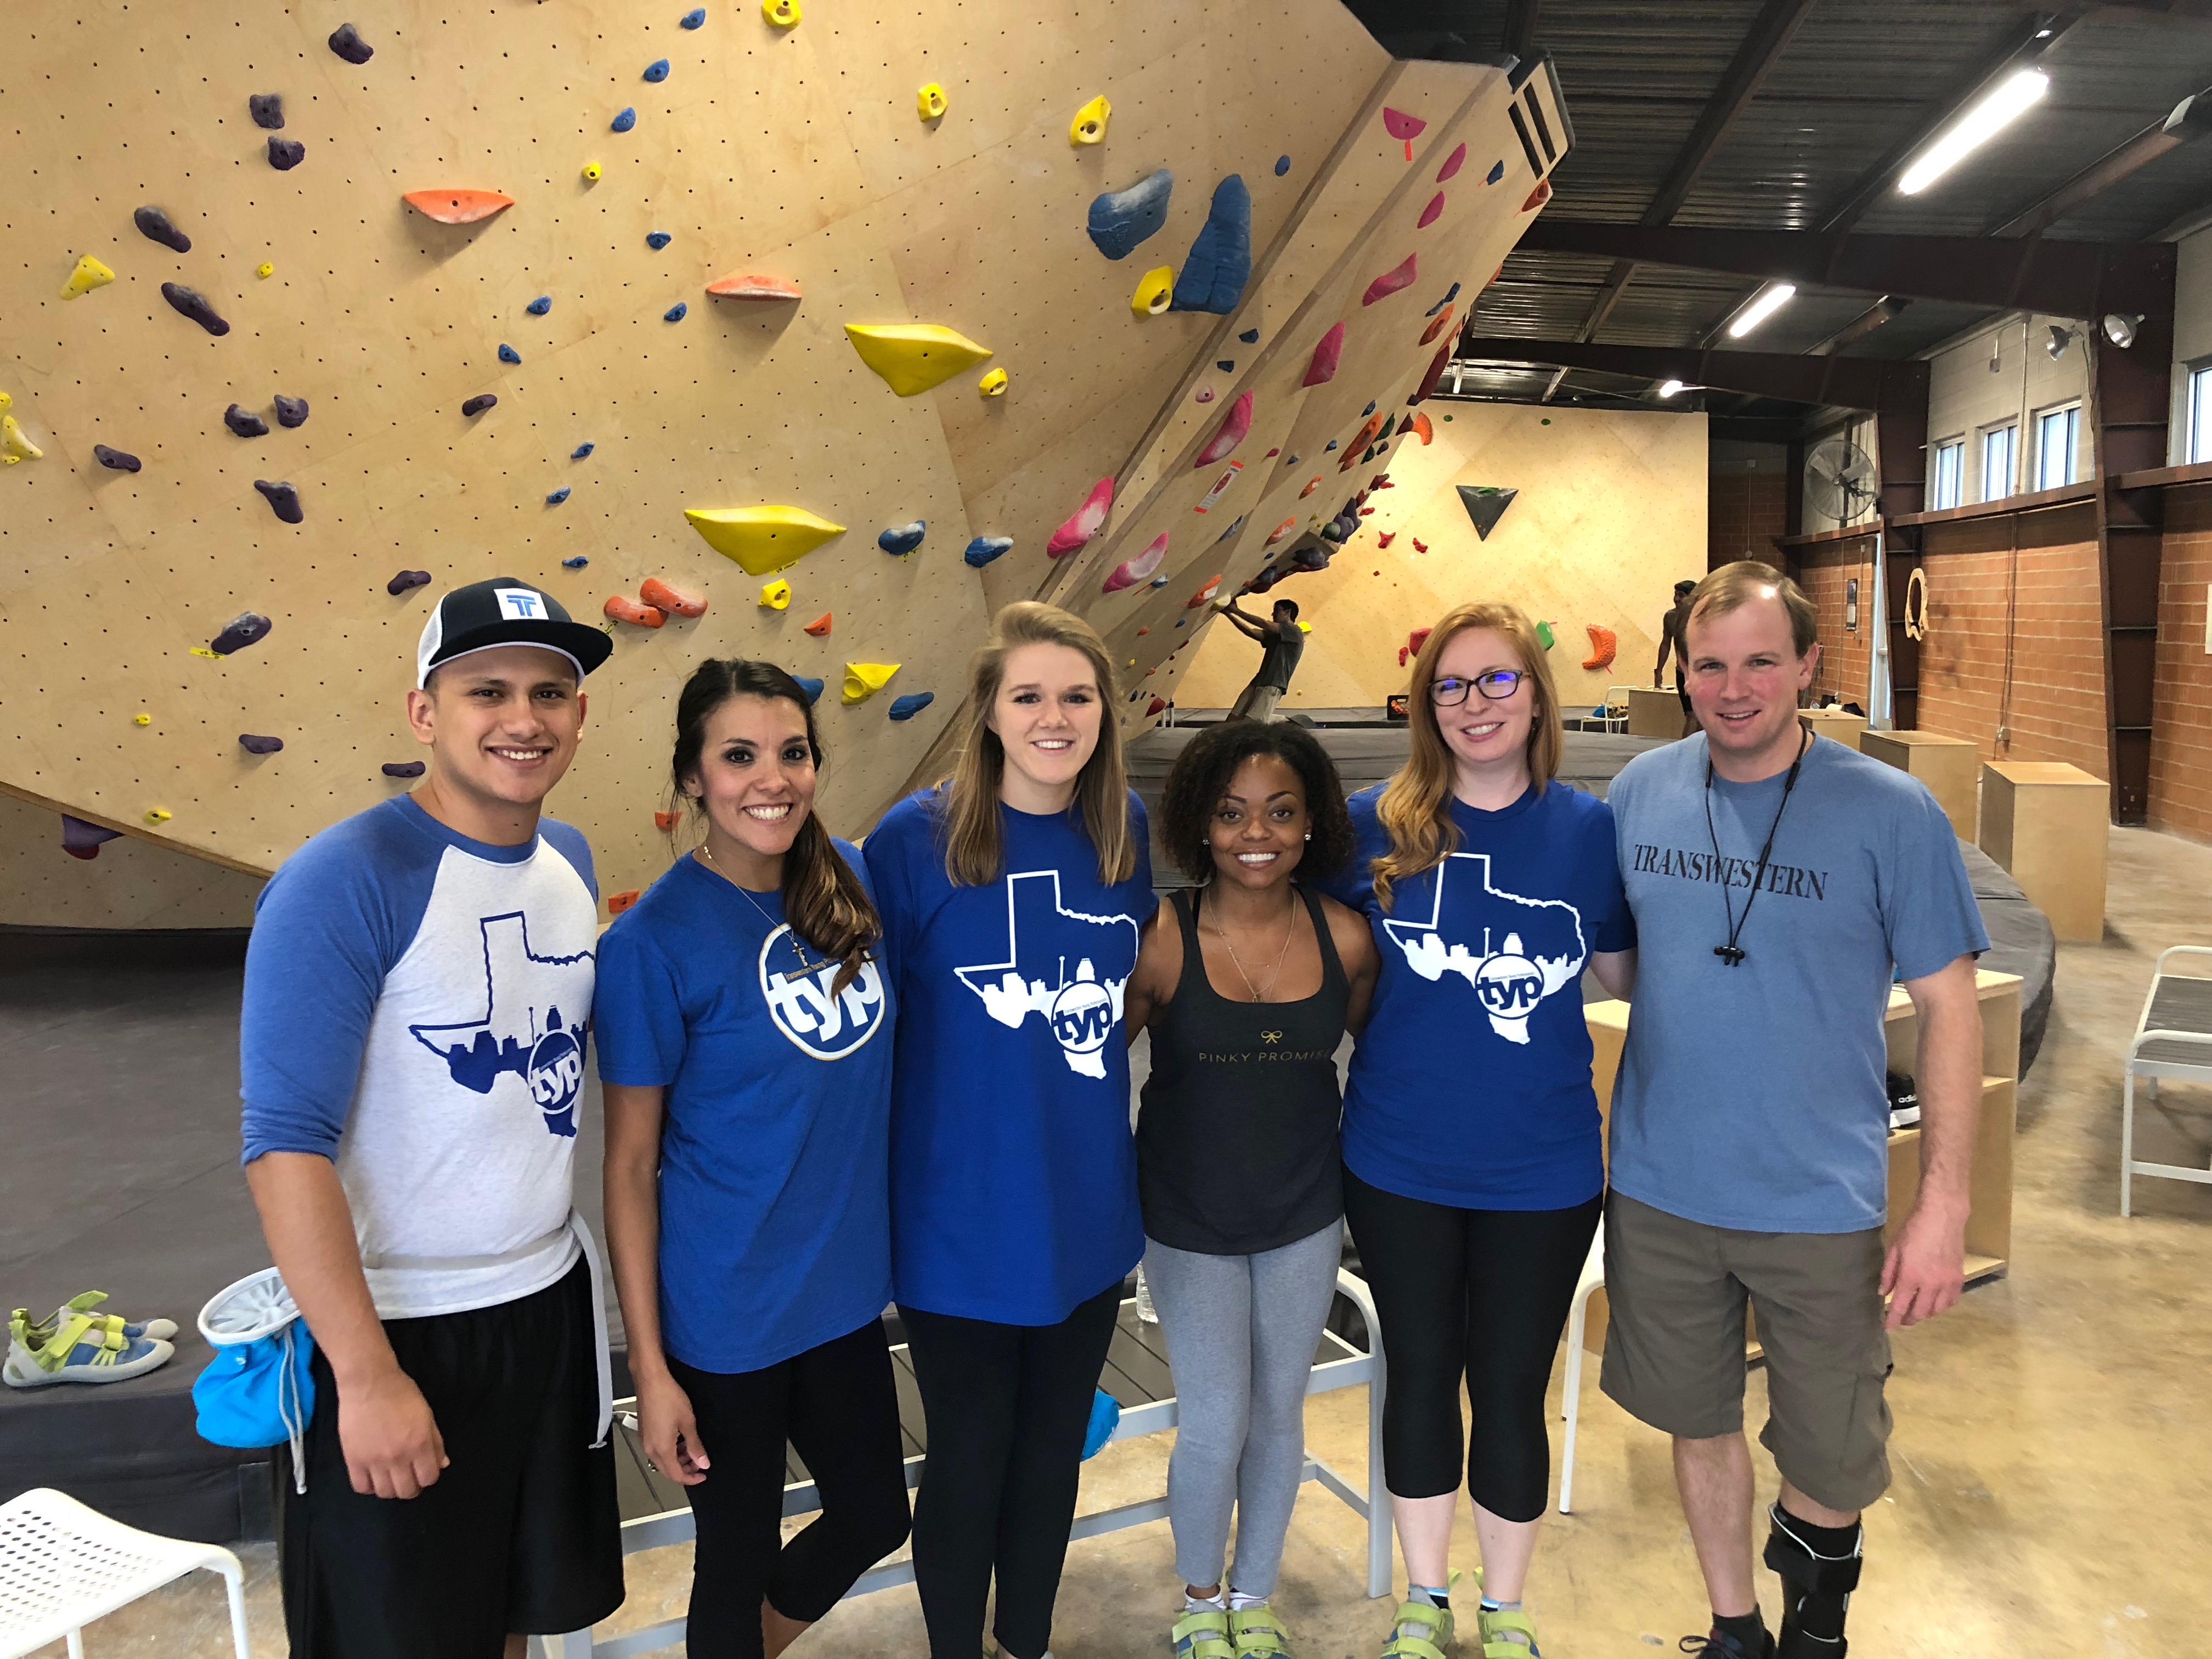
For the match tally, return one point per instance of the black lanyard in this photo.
(1732, 953)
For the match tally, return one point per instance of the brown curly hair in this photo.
(1201, 774)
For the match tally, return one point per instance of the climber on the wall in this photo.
(1670, 638)
(1285, 643)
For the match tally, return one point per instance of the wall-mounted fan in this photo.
(1840, 480)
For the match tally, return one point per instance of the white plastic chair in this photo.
(1593, 1278)
(62, 1565)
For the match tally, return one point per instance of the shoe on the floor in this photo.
(1715, 1645)
(1420, 1630)
(1496, 1644)
(1258, 1634)
(158, 1330)
(1202, 1635)
(82, 1349)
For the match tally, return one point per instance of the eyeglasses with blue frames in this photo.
(1497, 685)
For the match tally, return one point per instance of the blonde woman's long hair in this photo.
(1415, 808)
(968, 796)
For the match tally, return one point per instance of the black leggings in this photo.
(838, 1406)
(1482, 1293)
(1007, 1406)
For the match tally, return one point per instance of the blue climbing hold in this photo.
(557, 496)
(1120, 219)
(1233, 528)
(1293, 461)
(1282, 165)
(507, 354)
(1330, 444)
(1497, 171)
(984, 549)
(1452, 294)
(657, 239)
(676, 313)
(540, 305)
(625, 121)
(692, 19)
(1370, 409)
(1219, 262)
(906, 708)
(579, 452)
(809, 685)
(1250, 336)
(1226, 365)
(902, 538)
(1159, 581)
(576, 563)
(657, 70)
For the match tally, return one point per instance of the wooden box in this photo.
(1835, 723)
(2047, 823)
(1656, 714)
(1950, 767)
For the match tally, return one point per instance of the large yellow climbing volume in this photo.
(88, 275)
(912, 358)
(864, 679)
(762, 539)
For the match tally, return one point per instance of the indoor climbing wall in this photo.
(774, 330)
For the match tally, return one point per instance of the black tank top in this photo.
(1236, 1142)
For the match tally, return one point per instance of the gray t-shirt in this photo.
(1753, 1097)
(1283, 653)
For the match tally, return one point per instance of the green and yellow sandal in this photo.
(1493, 1626)
(1420, 1630)
(1202, 1636)
(160, 1330)
(81, 1348)
(1259, 1634)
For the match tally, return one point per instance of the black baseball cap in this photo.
(505, 611)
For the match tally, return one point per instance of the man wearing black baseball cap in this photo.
(418, 992)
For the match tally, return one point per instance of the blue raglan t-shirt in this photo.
(774, 1203)
(1013, 1175)
(1471, 1085)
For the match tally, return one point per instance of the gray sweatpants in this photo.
(1242, 1331)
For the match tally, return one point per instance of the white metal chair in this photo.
(2173, 1038)
(62, 1565)
(1593, 1278)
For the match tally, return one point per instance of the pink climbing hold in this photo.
(1429, 213)
(1390, 281)
(1325, 357)
(1399, 125)
(1234, 426)
(1084, 522)
(1130, 572)
(1453, 163)
(1205, 395)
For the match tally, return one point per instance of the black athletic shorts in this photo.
(519, 1533)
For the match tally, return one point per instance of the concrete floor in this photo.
(2053, 1451)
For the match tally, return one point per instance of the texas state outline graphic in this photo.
(1055, 967)
(1514, 951)
(524, 995)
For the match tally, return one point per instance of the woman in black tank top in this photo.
(1248, 983)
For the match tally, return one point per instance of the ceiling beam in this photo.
(1848, 382)
(1881, 311)
(2191, 119)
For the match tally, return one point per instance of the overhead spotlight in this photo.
(2060, 339)
(1669, 388)
(2120, 329)
(1770, 300)
(1983, 120)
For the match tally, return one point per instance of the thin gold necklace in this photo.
(790, 933)
(1289, 926)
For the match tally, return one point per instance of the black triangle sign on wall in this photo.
(1485, 506)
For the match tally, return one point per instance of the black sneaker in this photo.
(1717, 1645)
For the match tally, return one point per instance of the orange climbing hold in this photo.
(618, 902)
(1281, 530)
(676, 601)
(1312, 484)
(1421, 428)
(623, 609)
(664, 820)
(1204, 596)
(1537, 197)
(820, 626)
(1154, 707)
(754, 285)
(456, 207)
(1443, 322)
(1604, 643)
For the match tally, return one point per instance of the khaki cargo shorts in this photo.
(1673, 1349)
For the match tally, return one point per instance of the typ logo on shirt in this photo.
(1067, 968)
(521, 1029)
(819, 1019)
(1514, 951)
(520, 603)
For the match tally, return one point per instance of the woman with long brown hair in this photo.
(1012, 893)
(744, 1022)
(1474, 1174)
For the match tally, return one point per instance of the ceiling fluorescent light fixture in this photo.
(1771, 300)
(1669, 388)
(1984, 119)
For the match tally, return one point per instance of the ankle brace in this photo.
(1820, 1568)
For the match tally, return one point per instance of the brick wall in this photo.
(1824, 572)
(1744, 512)
(2181, 719)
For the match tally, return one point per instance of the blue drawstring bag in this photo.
(1105, 1418)
(258, 1391)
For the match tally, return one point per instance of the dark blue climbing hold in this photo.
(238, 632)
(625, 121)
(406, 580)
(115, 460)
(255, 746)
(1233, 529)
(291, 411)
(557, 496)
(283, 498)
(285, 154)
(657, 239)
(405, 769)
(193, 304)
(1121, 219)
(657, 70)
(1226, 365)
(1159, 581)
(1250, 336)
(902, 538)
(540, 305)
(1452, 294)
(984, 549)
(1219, 262)
(507, 354)
(1282, 165)
(692, 19)
(676, 313)
(809, 685)
(906, 708)
(346, 41)
(1330, 444)
(478, 404)
(155, 225)
(1497, 171)
(244, 422)
(1370, 409)
(268, 108)
(580, 451)
(1292, 461)
(576, 563)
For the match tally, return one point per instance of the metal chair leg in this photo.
(1378, 1484)
(2127, 1138)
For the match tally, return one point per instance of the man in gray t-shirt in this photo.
(1780, 882)
(1285, 642)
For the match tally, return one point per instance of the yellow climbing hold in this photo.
(930, 100)
(591, 172)
(783, 14)
(264, 270)
(158, 815)
(864, 679)
(762, 540)
(912, 358)
(88, 275)
(13, 445)
(141, 719)
(1089, 126)
(203, 651)
(993, 384)
(777, 596)
(1154, 289)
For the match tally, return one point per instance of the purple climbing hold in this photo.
(283, 498)
(1497, 171)
(557, 496)
(624, 122)
(507, 354)
(657, 70)
(692, 19)
(155, 224)
(240, 631)
(676, 313)
(405, 769)
(576, 563)
(82, 839)
(540, 305)
(478, 404)
(1282, 165)
(406, 581)
(346, 41)
(244, 422)
(253, 745)
(580, 451)
(114, 459)
(193, 304)
(657, 240)
(268, 109)
(285, 154)
(291, 411)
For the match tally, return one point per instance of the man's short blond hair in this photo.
(1735, 585)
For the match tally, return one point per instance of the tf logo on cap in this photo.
(505, 611)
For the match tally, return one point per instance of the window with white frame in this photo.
(1946, 482)
(1996, 461)
(2057, 434)
(2199, 440)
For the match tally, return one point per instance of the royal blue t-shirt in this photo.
(1471, 1085)
(1013, 1175)
(775, 1210)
